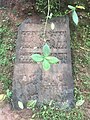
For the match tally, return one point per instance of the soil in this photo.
(7, 113)
(5, 109)
(17, 15)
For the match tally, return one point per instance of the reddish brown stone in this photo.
(30, 80)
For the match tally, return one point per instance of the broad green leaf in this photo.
(46, 50)
(79, 102)
(52, 26)
(20, 104)
(52, 60)
(71, 7)
(46, 65)
(75, 17)
(31, 103)
(2, 97)
(80, 7)
(37, 57)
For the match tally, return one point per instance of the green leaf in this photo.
(20, 104)
(75, 17)
(46, 50)
(31, 103)
(52, 60)
(37, 57)
(46, 65)
(71, 7)
(80, 102)
(9, 93)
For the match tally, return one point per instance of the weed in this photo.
(80, 44)
(42, 6)
(80, 38)
(45, 58)
(6, 50)
(48, 112)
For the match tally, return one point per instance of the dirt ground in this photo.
(5, 110)
(7, 114)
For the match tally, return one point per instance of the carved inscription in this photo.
(56, 40)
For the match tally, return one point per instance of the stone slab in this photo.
(30, 81)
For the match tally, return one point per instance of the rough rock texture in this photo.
(30, 81)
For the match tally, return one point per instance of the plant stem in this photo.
(68, 12)
(46, 20)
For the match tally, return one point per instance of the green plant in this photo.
(74, 14)
(57, 8)
(8, 94)
(45, 58)
(42, 6)
(6, 51)
(31, 104)
(49, 112)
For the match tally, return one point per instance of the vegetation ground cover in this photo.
(80, 45)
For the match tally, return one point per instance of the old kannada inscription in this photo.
(30, 80)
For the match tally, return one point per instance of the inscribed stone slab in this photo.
(30, 81)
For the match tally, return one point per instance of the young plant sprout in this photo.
(45, 58)
(74, 13)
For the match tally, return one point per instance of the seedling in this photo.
(74, 14)
(46, 59)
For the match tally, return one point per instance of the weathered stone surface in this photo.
(30, 80)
